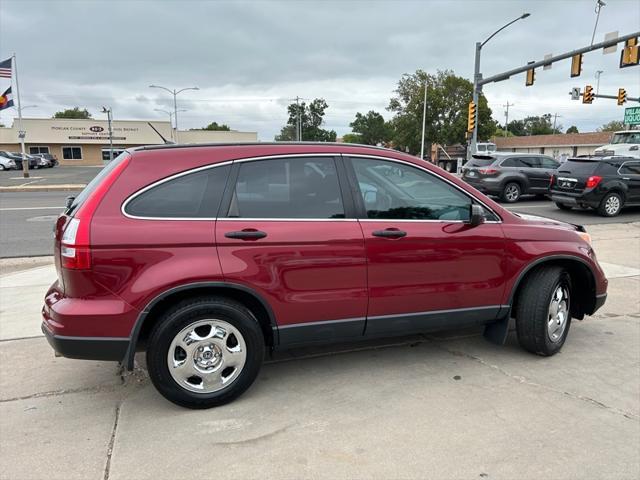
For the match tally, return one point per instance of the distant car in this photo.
(510, 175)
(43, 162)
(51, 159)
(7, 162)
(34, 162)
(606, 184)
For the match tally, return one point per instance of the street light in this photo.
(167, 112)
(108, 112)
(598, 73)
(477, 76)
(175, 93)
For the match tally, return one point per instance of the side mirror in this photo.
(476, 215)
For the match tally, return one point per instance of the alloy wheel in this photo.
(558, 313)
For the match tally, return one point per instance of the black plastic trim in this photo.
(331, 331)
(88, 348)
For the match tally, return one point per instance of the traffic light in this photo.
(531, 76)
(587, 96)
(471, 120)
(629, 54)
(622, 96)
(576, 65)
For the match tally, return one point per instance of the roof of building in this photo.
(556, 140)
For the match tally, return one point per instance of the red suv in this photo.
(209, 256)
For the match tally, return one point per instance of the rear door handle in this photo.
(246, 234)
(390, 233)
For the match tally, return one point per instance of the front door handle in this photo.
(246, 234)
(390, 233)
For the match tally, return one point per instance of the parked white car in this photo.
(6, 162)
(625, 142)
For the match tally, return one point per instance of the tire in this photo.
(234, 359)
(611, 205)
(563, 206)
(542, 320)
(2, 169)
(511, 192)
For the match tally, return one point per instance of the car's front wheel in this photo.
(543, 313)
(511, 192)
(205, 352)
(610, 205)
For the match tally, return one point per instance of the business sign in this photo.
(632, 116)
(94, 132)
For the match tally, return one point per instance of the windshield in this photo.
(626, 137)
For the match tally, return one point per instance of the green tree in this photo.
(517, 127)
(311, 119)
(572, 129)
(371, 128)
(500, 132)
(215, 126)
(352, 138)
(612, 126)
(534, 125)
(74, 112)
(448, 98)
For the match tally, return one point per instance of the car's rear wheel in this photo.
(1, 167)
(563, 206)
(610, 205)
(511, 192)
(205, 352)
(543, 313)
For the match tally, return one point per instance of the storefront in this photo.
(86, 142)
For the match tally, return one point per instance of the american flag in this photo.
(5, 68)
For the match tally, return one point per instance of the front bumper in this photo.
(88, 348)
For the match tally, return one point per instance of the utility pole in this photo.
(555, 118)
(108, 112)
(506, 117)
(598, 73)
(424, 119)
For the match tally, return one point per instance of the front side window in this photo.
(287, 188)
(391, 190)
(630, 168)
(72, 153)
(194, 195)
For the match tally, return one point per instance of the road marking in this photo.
(9, 209)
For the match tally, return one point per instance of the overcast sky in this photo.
(251, 58)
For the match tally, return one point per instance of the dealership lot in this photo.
(442, 406)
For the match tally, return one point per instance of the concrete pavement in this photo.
(430, 406)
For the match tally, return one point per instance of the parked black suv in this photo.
(605, 183)
(510, 175)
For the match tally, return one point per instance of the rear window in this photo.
(579, 167)
(91, 186)
(481, 162)
(194, 195)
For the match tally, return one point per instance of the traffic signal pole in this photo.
(477, 76)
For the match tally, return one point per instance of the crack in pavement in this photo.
(112, 441)
(526, 381)
(55, 393)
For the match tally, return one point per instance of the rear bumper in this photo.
(484, 186)
(87, 348)
(600, 300)
(575, 199)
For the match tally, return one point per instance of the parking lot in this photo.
(432, 406)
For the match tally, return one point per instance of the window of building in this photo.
(116, 151)
(35, 150)
(391, 190)
(195, 195)
(72, 153)
(288, 188)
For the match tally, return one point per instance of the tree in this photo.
(214, 126)
(352, 138)
(534, 125)
(311, 119)
(371, 128)
(500, 132)
(74, 112)
(448, 98)
(612, 126)
(572, 129)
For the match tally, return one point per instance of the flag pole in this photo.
(21, 132)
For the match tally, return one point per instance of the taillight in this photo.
(593, 181)
(487, 171)
(551, 180)
(75, 247)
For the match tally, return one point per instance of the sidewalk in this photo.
(440, 406)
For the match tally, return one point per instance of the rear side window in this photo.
(630, 168)
(288, 188)
(549, 163)
(579, 167)
(194, 195)
(531, 162)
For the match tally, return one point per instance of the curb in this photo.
(44, 188)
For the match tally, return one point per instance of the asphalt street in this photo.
(49, 176)
(27, 218)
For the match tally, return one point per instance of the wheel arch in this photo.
(150, 315)
(583, 282)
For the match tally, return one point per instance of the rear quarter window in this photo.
(191, 195)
